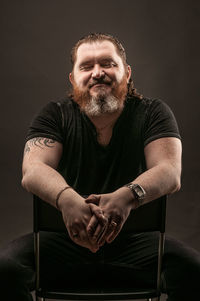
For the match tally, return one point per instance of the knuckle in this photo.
(115, 213)
(118, 218)
(90, 229)
(76, 222)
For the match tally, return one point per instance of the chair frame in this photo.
(43, 222)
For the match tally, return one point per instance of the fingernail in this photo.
(109, 240)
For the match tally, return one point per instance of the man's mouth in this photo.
(99, 85)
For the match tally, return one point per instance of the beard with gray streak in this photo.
(103, 102)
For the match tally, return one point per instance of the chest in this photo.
(104, 136)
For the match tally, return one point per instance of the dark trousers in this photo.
(129, 261)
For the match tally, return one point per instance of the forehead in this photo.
(95, 50)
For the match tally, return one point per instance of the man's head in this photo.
(100, 74)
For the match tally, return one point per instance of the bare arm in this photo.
(163, 160)
(41, 158)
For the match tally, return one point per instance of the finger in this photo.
(102, 237)
(95, 229)
(84, 241)
(91, 227)
(99, 214)
(111, 229)
(73, 233)
(114, 234)
(93, 198)
(100, 230)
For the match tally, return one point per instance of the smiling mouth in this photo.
(100, 85)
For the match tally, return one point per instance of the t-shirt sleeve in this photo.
(160, 122)
(47, 123)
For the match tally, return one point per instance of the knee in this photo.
(181, 262)
(181, 269)
(9, 271)
(13, 274)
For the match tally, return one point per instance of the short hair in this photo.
(96, 37)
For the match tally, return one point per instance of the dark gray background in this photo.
(162, 43)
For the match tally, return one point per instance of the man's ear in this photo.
(128, 72)
(71, 78)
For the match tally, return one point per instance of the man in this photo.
(121, 150)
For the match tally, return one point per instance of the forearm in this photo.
(45, 182)
(159, 180)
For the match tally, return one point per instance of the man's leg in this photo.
(17, 270)
(181, 270)
(62, 264)
(137, 254)
(17, 264)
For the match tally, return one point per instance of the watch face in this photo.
(139, 191)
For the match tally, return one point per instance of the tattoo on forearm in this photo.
(39, 142)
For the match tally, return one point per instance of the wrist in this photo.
(126, 194)
(138, 193)
(67, 199)
(59, 195)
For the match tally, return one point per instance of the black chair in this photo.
(147, 218)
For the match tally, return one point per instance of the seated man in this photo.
(123, 150)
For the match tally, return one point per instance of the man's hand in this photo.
(116, 207)
(76, 215)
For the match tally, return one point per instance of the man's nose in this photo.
(97, 71)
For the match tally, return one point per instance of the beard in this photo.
(104, 101)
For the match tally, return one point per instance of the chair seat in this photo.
(109, 294)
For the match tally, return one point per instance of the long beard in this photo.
(103, 102)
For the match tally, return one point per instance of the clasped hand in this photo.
(76, 216)
(116, 208)
(96, 220)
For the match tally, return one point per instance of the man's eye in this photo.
(108, 64)
(86, 67)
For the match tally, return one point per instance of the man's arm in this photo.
(163, 174)
(41, 158)
(163, 161)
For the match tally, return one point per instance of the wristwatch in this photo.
(138, 192)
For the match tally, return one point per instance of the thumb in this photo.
(93, 198)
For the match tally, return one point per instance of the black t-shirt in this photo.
(86, 165)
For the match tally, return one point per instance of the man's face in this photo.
(99, 78)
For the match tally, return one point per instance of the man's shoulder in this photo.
(64, 101)
(144, 101)
(146, 104)
(64, 104)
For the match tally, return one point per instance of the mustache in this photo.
(99, 81)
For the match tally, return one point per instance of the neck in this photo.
(106, 120)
